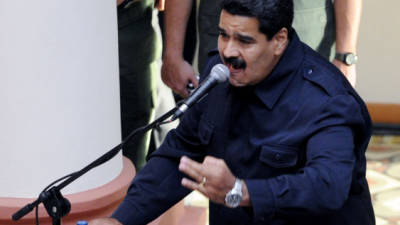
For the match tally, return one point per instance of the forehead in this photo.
(237, 23)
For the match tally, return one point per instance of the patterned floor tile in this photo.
(379, 182)
(387, 140)
(382, 152)
(383, 174)
(387, 204)
(394, 171)
(380, 221)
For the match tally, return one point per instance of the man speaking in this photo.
(282, 143)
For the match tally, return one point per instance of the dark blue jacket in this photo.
(298, 139)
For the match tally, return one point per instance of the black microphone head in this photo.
(220, 73)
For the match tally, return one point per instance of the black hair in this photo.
(273, 15)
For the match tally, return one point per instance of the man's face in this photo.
(246, 51)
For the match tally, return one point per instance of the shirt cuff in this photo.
(127, 214)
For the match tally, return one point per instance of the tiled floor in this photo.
(383, 174)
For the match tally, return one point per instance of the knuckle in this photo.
(209, 159)
(220, 161)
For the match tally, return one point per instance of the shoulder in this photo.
(324, 83)
(326, 88)
(323, 75)
(323, 80)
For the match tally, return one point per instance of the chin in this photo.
(236, 83)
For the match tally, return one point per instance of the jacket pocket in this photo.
(279, 156)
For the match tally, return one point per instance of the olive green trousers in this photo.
(139, 48)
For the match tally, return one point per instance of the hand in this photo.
(176, 74)
(160, 5)
(348, 71)
(104, 221)
(219, 180)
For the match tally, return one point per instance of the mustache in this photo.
(235, 62)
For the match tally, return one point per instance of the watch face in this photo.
(351, 59)
(233, 200)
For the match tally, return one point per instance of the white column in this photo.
(59, 93)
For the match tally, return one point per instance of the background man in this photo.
(286, 144)
(139, 49)
(319, 23)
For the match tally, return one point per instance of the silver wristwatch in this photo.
(234, 196)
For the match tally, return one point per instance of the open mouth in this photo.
(234, 70)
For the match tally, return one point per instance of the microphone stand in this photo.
(56, 205)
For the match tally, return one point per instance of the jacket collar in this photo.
(272, 87)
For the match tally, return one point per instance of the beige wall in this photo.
(379, 49)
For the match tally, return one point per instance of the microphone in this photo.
(219, 73)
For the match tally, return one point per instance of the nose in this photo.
(231, 50)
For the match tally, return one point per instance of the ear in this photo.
(281, 40)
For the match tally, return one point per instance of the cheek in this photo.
(258, 66)
(252, 61)
(262, 60)
(221, 46)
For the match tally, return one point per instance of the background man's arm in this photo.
(348, 16)
(175, 71)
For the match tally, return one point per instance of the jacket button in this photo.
(278, 156)
(309, 71)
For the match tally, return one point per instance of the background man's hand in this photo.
(176, 74)
(348, 71)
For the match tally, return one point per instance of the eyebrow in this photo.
(240, 36)
(221, 30)
(245, 37)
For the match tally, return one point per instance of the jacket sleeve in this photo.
(323, 183)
